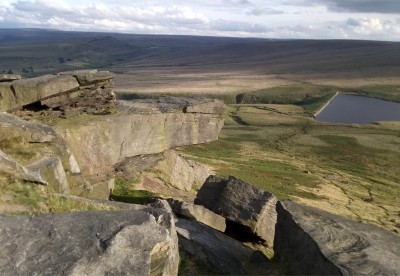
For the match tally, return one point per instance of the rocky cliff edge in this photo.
(94, 131)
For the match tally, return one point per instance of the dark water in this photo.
(348, 109)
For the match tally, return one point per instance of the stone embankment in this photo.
(325, 105)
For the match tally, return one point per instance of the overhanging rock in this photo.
(67, 88)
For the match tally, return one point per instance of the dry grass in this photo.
(223, 82)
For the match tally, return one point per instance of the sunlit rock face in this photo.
(139, 128)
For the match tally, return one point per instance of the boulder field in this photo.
(69, 133)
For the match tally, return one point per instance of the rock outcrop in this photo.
(9, 77)
(55, 165)
(142, 242)
(182, 173)
(220, 252)
(139, 128)
(98, 146)
(241, 203)
(89, 91)
(311, 241)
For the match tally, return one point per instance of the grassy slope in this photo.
(23, 197)
(349, 170)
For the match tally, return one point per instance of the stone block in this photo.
(242, 203)
(182, 173)
(28, 91)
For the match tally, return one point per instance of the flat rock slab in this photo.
(311, 241)
(174, 104)
(28, 91)
(86, 77)
(89, 243)
(9, 77)
(198, 213)
(221, 253)
(242, 203)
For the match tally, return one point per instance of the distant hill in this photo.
(47, 51)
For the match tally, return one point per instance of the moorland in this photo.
(271, 88)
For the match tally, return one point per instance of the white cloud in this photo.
(369, 26)
(256, 18)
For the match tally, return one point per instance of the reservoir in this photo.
(349, 109)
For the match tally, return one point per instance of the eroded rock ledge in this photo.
(140, 128)
(89, 91)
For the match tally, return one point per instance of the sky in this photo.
(308, 19)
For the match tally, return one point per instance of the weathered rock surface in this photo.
(9, 165)
(242, 203)
(198, 213)
(131, 167)
(182, 173)
(28, 91)
(311, 241)
(89, 243)
(224, 254)
(12, 127)
(176, 104)
(90, 91)
(206, 108)
(7, 98)
(103, 141)
(86, 77)
(52, 170)
(53, 165)
(9, 77)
